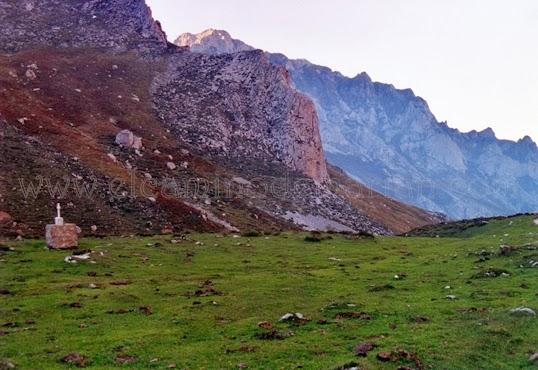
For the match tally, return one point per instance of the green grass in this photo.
(262, 278)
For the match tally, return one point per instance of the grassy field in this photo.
(196, 304)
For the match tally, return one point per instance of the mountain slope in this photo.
(228, 144)
(388, 139)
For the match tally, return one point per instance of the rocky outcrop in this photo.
(389, 140)
(242, 109)
(117, 25)
(212, 41)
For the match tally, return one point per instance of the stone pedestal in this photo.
(62, 236)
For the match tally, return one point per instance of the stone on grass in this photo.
(505, 250)
(523, 311)
(6, 365)
(77, 258)
(265, 325)
(294, 317)
(362, 349)
(533, 357)
(62, 236)
(75, 359)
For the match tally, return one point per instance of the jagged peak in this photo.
(212, 41)
(488, 132)
(527, 140)
(363, 76)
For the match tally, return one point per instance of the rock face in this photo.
(212, 42)
(246, 112)
(389, 140)
(62, 236)
(117, 25)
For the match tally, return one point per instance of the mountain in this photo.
(389, 139)
(212, 42)
(223, 142)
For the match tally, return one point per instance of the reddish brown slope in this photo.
(59, 122)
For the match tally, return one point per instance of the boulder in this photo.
(523, 311)
(5, 218)
(505, 250)
(62, 236)
(127, 139)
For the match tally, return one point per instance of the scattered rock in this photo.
(451, 297)
(536, 221)
(491, 273)
(120, 282)
(242, 366)
(383, 356)
(119, 311)
(206, 289)
(125, 359)
(6, 365)
(146, 310)
(523, 311)
(127, 139)
(274, 334)
(93, 228)
(171, 166)
(30, 74)
(112, 157)
(297, 318)
(419, 319)
(362, 349)
(533, 357)
(505, 250)
(77, 258)
(75, 359)
(353, 315)
(401, 355)
(265, 325)
(380, 288)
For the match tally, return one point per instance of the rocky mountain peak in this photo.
(527, 142)
(116, 25)
(212, 42)
(488, 132)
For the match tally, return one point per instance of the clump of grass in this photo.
(251, 234)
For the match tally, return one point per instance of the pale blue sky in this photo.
(474, 61)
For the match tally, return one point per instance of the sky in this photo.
(474, 61)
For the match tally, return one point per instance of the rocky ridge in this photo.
(389, 139)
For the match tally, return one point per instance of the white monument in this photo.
(59, 219)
